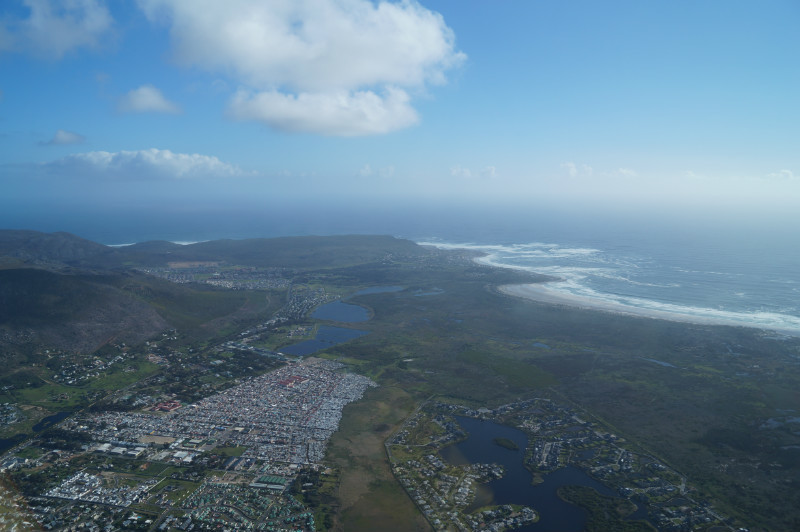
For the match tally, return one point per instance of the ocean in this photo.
(661, 282)
(739, 269)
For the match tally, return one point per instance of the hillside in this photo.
(62, 291)
(286, 252)
(54, 249)
(65, 249)
(76, 312)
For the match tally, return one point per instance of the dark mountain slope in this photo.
(64, 249)
(288, 252)
(74, 312)
(81, 312)
(55, 249)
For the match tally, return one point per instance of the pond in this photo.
(326, 337)
(515, 487)
(343, 312)
(8, 443)
(49, 421)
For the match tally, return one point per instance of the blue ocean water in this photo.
(714, 289)
(727, 270)
(741, 268)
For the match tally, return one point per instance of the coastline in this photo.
(541, 293)
(541, 290)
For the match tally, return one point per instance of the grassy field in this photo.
(57, 397)
(230, 451)
(369, 496)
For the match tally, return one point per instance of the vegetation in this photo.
(506, 443)
(230, 451)
(606, 514)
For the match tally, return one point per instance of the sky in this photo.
(123, 104)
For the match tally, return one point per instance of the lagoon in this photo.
(326, 337)
(342, 312)
(515, 487)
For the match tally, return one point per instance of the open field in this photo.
(369, 496)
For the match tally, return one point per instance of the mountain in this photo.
(62, 291)
(64, 249)
(67, 311)
(53, 249)
(287, 252)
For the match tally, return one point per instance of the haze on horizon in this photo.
(116, 107)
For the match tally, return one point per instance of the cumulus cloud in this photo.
(488, 172)
(55, 28)
(571, 169)
(627, 172)
(782, 175)
(333, 114)
(63, 137)
(575, 170)
(384, 173)
(366, 171)
(460, 171)
(147, 99)
(144, 164)
(335, 67)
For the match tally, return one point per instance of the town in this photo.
(558, 436)
(227, 460)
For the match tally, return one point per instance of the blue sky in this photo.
(680, 104)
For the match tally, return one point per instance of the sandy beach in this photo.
(544, 293)
(547, 288)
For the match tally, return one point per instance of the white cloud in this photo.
(354, 60)
(574, 170)
(384, 173)
(782, 175)
(488, 172)
(55, 28)
(460, 171)
(63, 137)
(366, 171)
(144, 164)
(343, 113)
(147, 99)
(691, 174)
